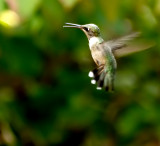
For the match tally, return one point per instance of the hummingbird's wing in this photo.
(133, 47)
(124, 46)
(121, 42)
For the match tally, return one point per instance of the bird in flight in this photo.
(104, 52)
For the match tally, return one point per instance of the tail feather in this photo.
(108, 83)
(101, 78)
(100, 82)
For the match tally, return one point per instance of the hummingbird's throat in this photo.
(94, 41)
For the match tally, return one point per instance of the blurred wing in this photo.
(133, 47)
(121, 42)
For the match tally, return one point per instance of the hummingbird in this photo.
(103, 54)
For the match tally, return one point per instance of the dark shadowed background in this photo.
(46, 98)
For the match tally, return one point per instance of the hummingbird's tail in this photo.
(102, 78)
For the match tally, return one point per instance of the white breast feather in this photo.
(93, 41)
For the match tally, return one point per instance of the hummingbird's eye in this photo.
(86, 28)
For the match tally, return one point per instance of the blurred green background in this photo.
(46, 98)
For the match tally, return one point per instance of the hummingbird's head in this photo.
(91, 30)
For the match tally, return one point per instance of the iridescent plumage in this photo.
(103, 54)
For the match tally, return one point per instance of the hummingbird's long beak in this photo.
(72, 25)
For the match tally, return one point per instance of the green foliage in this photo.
(45, 94)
